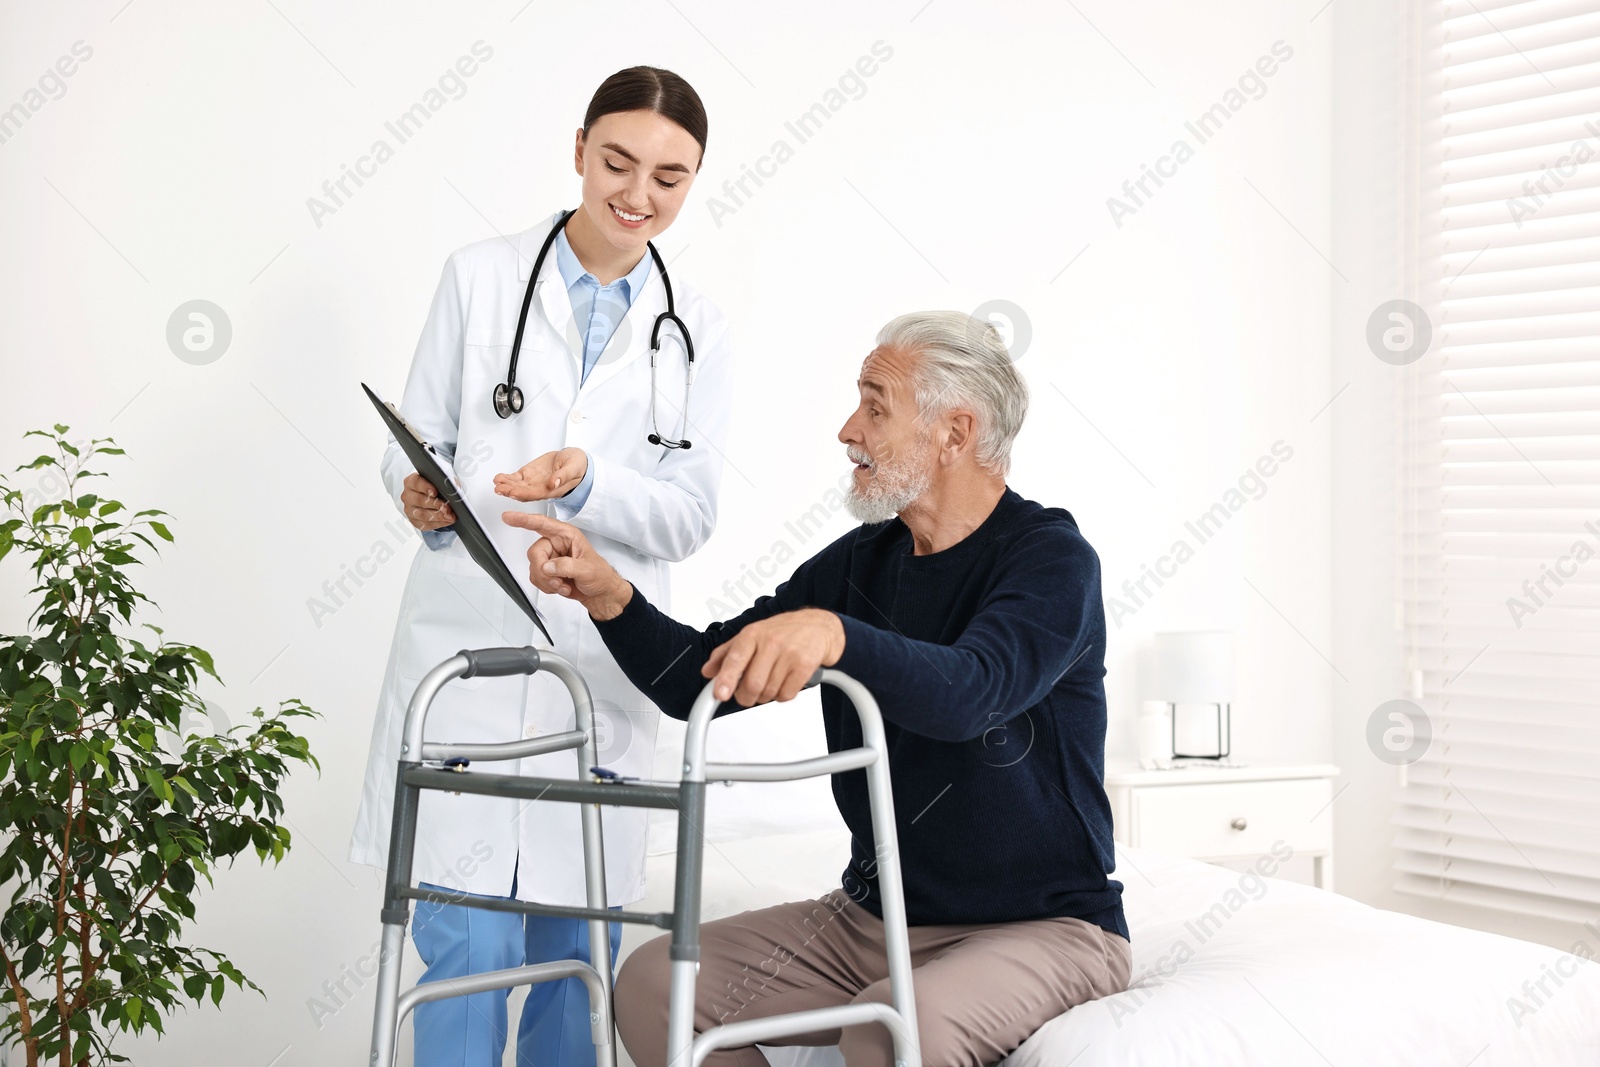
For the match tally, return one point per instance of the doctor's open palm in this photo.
(564, 563)
(553, 474)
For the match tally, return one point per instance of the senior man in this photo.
(974, 616)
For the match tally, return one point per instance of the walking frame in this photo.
(441, 766)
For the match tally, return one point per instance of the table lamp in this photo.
(1191, 674)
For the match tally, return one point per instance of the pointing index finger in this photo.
(528, 520)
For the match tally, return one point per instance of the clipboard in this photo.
(467, 527)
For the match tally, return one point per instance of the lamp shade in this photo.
(1188, 667)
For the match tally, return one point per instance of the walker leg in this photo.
(600, 1014)
(680, 1012)
(891, 895)
(385, 1021)
(396, 913)
(685, 950)
(594, 872)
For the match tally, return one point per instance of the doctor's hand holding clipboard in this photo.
(555, 373)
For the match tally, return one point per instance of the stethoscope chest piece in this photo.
(507, 400)
(657, 439)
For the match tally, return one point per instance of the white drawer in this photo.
(1201, 820)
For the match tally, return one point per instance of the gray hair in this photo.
(964, 364)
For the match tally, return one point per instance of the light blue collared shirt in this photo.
(597, 310)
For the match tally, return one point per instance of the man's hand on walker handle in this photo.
(774, 658)
(768, 660)
(564, 563)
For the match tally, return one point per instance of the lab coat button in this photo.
(577, 416)
(531, 732)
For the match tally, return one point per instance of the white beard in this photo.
(893, 485)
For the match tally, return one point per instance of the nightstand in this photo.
(1225, 813)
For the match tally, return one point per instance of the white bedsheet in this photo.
(1295, 975)
(1281, 974)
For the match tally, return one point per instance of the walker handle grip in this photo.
(816, 678)
(498, 662)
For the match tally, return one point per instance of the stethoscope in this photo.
(508, 398)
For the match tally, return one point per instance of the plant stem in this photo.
(29, 1042)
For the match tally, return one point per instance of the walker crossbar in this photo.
(503, 979)
(684, 1048)
(513, 976)
(502, 750)
(833, 763)
(754, 1031)
(629, 795)
(662, 919)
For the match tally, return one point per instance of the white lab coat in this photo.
(648, 506)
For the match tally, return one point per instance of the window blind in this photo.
(1500, 561)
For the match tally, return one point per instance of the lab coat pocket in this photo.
(492, 337)
(486, 360)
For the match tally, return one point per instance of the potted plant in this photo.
(109, 813)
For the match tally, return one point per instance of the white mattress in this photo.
(1282, 974)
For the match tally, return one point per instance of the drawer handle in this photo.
(1239, 823)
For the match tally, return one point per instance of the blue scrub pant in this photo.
(471, 1031)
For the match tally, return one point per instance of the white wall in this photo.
(1167, 354)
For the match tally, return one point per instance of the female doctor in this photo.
(593, 430)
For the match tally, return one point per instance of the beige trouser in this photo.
(980, 990)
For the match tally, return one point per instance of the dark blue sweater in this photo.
(987, 661)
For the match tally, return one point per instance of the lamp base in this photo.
(1224, 735)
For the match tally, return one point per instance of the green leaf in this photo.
(158, 784)
(161, 530)
(81, 536)
(202, 657)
